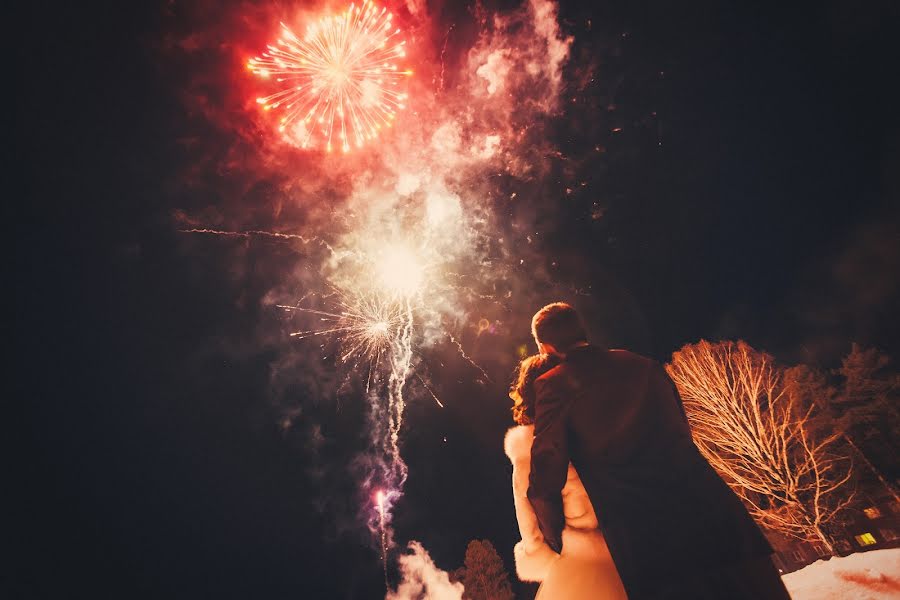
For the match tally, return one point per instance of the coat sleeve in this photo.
(549, 460)
(533, 556)
(664, 387)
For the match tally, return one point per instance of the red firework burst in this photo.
(340, 84)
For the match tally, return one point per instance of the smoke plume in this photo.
(422, 579)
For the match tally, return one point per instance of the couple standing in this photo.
(606, 430)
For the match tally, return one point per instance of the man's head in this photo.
(557, 328)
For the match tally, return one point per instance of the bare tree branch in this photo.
(755, 433)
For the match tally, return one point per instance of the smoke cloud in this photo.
(422, 579)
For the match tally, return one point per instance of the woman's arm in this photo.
(529, 529)
(533, 555)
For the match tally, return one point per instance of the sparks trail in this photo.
(425, 385)
(443, 51)
(252, 233)
(468, 359)
(472, 292)
(401, 367)
(340, 83)
(379, 501)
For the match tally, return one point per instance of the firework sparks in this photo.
(389, 288)
(340, 84)
(373, 319)
(382, 518)
(365, 323)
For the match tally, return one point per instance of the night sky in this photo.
(733, 174)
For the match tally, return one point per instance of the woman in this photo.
(585, 568)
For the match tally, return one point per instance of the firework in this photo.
(398, 263)
(365, 324)
(340, 84)
(385, 288)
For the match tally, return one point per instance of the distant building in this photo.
(872, 523)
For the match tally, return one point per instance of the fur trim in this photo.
(533, 566)
(517, 443)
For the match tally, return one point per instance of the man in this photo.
(673, 527)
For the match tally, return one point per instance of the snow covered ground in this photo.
(871, 575)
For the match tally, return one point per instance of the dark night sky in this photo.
(149, 461)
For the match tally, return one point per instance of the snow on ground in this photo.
(873, 575)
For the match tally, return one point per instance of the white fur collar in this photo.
(517, 443)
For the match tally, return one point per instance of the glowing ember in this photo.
(340, 83)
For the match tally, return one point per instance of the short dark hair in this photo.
(558, 324)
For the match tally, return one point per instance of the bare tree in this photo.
(759, 438)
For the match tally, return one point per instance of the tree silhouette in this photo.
(853, 421)
(868, 404)
(483, 573)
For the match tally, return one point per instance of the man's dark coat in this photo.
(664, 512)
